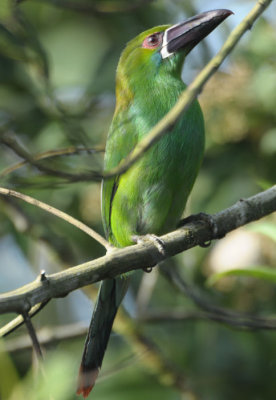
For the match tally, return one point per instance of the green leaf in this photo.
(259, 272)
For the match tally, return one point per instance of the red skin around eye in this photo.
(152, 41)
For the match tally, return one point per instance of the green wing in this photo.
(121, 140)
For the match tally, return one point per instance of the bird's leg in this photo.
(201, 217)
(158, 243)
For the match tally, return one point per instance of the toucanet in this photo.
(150, 197)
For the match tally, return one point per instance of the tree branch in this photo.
(46, 336)
(138, 256)
(72, 150)
(58, 213)
(239, 320)
(19, 320)
(213, 312)
(33, 336)
(8, 138)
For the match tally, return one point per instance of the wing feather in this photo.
(122, 138)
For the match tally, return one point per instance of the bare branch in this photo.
(46, 336)
(32, 334)
(59, 214)
(239, 320)
(19, 320)
(213, 312)
(72, 150)
(138, 256)
(9, 139)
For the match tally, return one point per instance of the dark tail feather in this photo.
(109, 298)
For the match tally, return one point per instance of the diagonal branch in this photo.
(19, 320)
(138, 256)
(213, 312)
(47, 336)
(240, 321)
(9, 139)
(33, 336)
(72, 150)
(58, 213)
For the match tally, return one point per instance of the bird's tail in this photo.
(110, 295)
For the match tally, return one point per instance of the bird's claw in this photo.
(158, 243)
(147, 270)
(201, 217)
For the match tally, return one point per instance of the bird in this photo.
(150, 197)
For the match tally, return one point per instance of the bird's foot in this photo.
(158, 243)
(201, 217)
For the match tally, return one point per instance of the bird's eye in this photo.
(152, 41)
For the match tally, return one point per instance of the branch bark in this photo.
(58, 213)
(34, 160)
(8, 138)
(212, 312)
(139, 256)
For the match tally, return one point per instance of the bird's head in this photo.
(162, 49)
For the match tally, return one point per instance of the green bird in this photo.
(150, 197)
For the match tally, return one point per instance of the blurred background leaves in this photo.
(57, 77)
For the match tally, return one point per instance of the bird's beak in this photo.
(186, 35)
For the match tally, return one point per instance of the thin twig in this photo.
(19, 320)
(213, 312)
(32, 333)
(48, 155)
(139, 256)
(237, 320)
(47, 336)
(156, 316)
(9, 139)
(59, 214)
